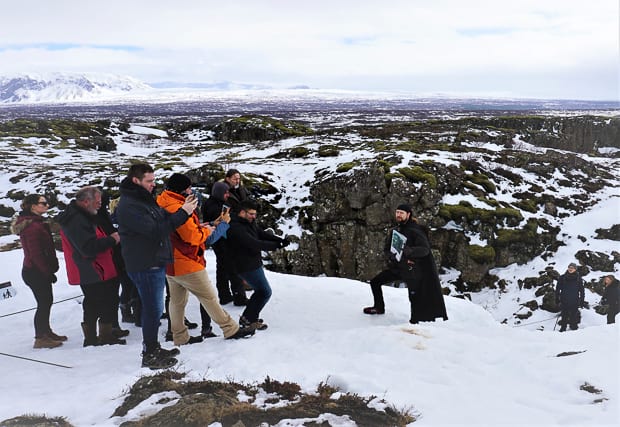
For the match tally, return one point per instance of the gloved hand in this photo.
(53, 278)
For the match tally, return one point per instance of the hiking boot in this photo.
(374, 310)
(194, 340)
(563, 328)
(90, 334)
(46, 342)
(168, 353)
(190, 325)
(207, 332)
(120, 333)
(574, 327)
(244, 331)
(155, 360)
(258, 325)
(56, 337)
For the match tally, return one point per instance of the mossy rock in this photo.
(345, 167)
(483, 181)
(506, 237)
(481, 254)
(299, 152)
(418, 174)
(328, 151)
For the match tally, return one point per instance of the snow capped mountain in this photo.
(63, 87)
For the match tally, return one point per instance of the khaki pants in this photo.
(197, 283)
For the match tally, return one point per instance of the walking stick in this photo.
(556, 322)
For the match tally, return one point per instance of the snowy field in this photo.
(470, 370)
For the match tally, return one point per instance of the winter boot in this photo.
(258, 325)
(90, 334)
(106, 336)
(126, 314)
(563, 327)
(207, 332)
(190, 325)
(244, 331)
(155, 359)
(57, 337)
(46, 341)
(117, 331)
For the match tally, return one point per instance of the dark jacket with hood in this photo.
(37, 242)
(611, 297)
(144, 228)
(246, 240)
(87, 247)
(570, 292)
(418, 269)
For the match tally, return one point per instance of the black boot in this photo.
(126, 314)
(158, 358)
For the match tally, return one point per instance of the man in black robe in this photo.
(410, 261)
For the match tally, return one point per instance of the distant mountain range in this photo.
(104, 89)
(61, 87)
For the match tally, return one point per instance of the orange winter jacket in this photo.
(188, 240)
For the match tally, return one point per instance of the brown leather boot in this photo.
(106, 335)
(46, 342)
(90, 334)
(57, 337)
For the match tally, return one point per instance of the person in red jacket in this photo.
(88, 257)
(40, 264)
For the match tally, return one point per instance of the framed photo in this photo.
(398, 244)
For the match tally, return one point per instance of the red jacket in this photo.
(87, 248)
(36, 239)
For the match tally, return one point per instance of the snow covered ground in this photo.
(470, 370)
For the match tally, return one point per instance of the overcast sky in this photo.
(527, 48)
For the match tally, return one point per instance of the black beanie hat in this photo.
(404, 207)
(178, 183)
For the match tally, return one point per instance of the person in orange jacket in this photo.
(188, 271)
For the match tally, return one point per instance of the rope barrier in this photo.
(539, 321)
(34, 308)
(35, 360)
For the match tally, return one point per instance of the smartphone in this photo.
(225, 208)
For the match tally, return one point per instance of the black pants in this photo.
(383, 278)
(100, 302)
(128, 290)
(611, 315)
(42, 289)
(224, 275)
(570, 316)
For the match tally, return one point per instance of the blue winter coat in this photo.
(145, 228)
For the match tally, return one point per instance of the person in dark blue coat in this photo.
(569, 295)
(410, 261)
(144, 230)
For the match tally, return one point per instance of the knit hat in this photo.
(178, 183)
(573, 265)
(218, 190)
(404, 207)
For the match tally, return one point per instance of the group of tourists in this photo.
(154, 245)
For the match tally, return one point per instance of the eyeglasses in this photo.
(43, 203)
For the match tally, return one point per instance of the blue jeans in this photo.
(262, 292)
(150, 285)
